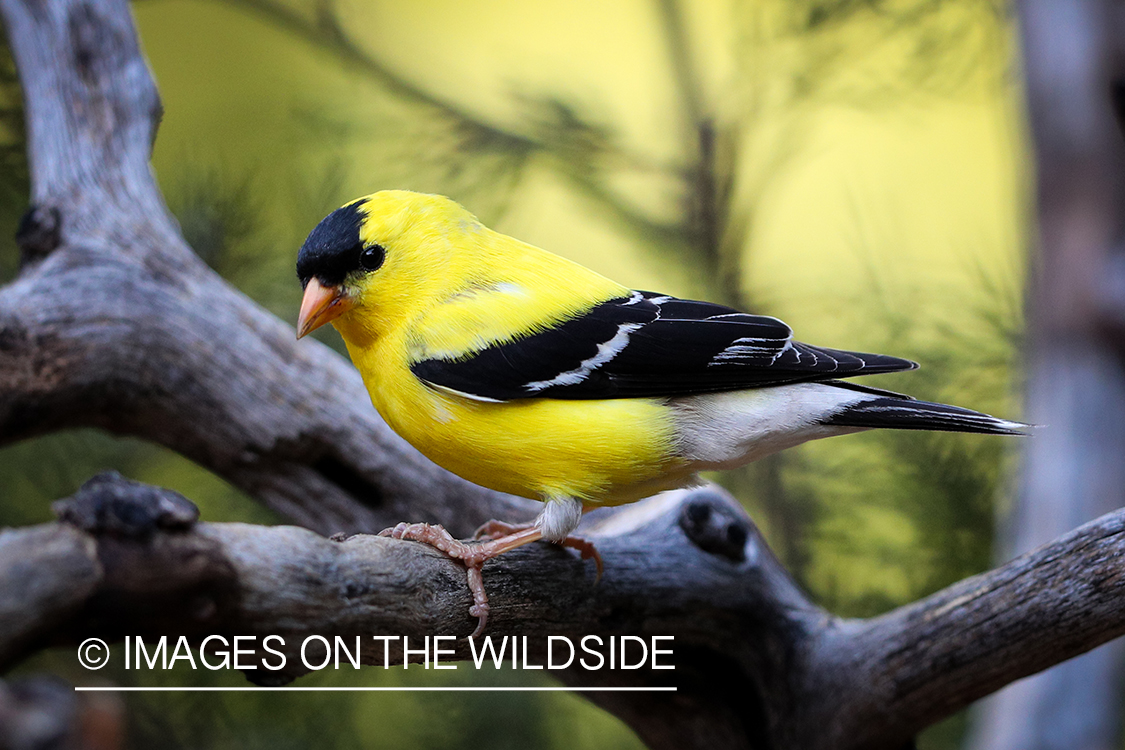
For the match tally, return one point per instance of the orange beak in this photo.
(320, 305)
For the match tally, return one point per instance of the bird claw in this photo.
(434, 535)
(497, 537)
(479, 609)
(472, 556)
(587, 551)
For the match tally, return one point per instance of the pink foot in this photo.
(472, 556)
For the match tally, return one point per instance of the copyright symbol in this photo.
(93, 653)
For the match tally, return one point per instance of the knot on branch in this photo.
(109, 503)
(38, 234)
(714, 526)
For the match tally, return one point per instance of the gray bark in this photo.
(756, 663)
(115, 323)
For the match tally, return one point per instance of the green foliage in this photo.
(14, 181)
(940, 45)
(223, 218)
(911, 512)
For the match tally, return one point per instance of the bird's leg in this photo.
(586, 549)
(472, 556)
(493, 529)
(559, 517)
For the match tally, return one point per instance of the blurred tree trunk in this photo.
(1074, 468)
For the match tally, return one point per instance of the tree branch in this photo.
(128, 559)
(115, 323)
(926, 660)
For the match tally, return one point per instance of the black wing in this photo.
(648, 345)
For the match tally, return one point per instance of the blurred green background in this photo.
(857, 168)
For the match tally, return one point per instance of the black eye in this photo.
(372, 257)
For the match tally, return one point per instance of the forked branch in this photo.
(115, 323)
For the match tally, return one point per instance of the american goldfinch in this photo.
(529, 374)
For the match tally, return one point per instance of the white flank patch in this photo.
(606, 352)
(724, 430)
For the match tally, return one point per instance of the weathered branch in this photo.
(924, 661)
(130, 560)
(115, 323)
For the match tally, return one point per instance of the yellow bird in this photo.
(529, 374)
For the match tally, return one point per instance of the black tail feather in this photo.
(904, 414)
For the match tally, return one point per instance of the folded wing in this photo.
(647, 345)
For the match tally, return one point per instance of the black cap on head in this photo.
(332, 249)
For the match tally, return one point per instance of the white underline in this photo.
(198, 689)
